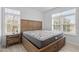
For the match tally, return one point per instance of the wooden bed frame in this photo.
(52, 47)
(27, 25)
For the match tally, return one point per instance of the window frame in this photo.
(61, 25)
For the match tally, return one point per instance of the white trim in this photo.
(61, 24)
(16, 12)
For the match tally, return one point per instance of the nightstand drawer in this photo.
(12, 39)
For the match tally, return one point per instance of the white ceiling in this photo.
(43, 9)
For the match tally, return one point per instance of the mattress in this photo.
(42, 38)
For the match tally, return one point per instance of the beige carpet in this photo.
(19, 48)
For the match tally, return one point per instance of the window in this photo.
(12, 21)
(64, 21)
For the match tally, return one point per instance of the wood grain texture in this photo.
(12, 39)
(27, 25)
(52, 47)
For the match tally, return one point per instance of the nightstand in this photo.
(13, 39)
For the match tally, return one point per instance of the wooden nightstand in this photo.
(13, 39)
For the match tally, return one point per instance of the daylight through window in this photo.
(64, 21)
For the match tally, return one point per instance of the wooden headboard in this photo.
(27, 25)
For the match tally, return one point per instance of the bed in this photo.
(41, 40)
